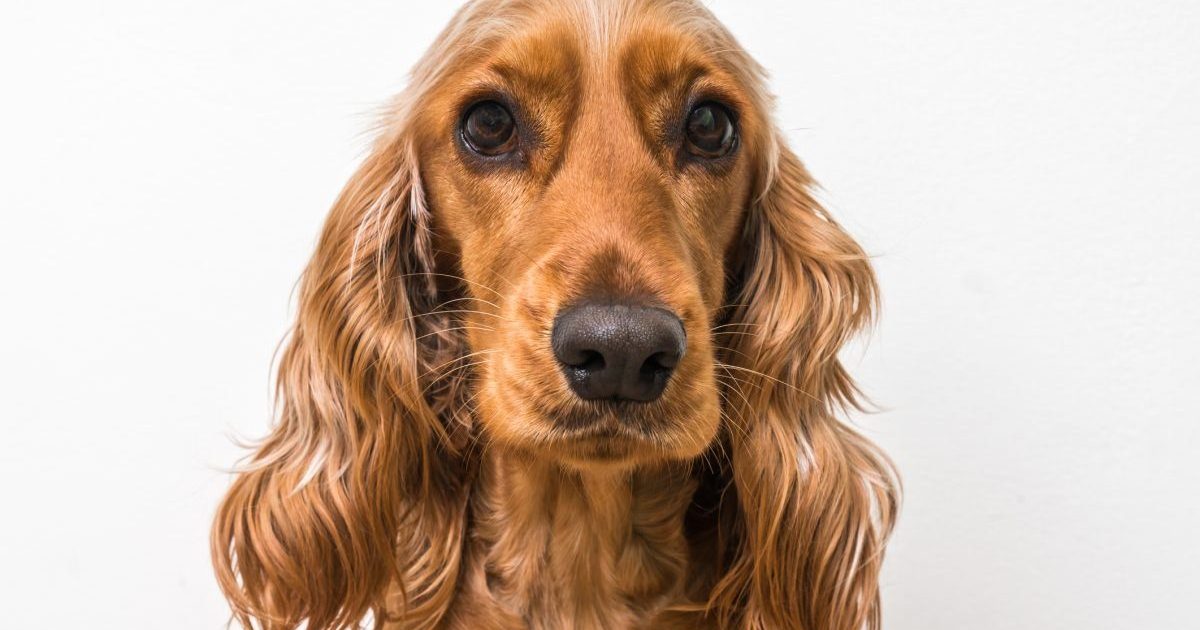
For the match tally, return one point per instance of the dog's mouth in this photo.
(606, 419)
(541, 418)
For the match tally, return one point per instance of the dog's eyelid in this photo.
(710, 88)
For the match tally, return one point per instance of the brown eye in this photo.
(489, 129)
(710, 132)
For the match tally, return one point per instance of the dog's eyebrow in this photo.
(653, 71)
(532, 78)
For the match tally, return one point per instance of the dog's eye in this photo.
(489, 129)
(710, 132)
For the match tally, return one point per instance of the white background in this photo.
(1026, 172)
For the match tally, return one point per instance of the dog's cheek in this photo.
(703, 426)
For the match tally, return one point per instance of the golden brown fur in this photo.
(424, 470)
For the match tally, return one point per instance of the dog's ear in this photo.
(816, 501)
(308, 530)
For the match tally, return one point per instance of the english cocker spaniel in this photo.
(566, 355)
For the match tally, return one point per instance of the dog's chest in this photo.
(546, 550)
(559, 585)
(558, 606)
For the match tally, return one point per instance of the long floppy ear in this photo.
(816, 501)
(362, 450)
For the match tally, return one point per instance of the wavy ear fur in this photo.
(816, 501)
(365, 445)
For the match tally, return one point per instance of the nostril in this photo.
(667, 359)
(660, 363)
(591, 361)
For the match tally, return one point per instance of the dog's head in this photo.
(590, 187)
(579, 236)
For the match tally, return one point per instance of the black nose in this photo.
(618, 351)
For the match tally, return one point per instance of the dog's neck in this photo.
(568, 548)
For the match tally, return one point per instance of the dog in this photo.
(566, 354)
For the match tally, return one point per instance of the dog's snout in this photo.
(618, 351)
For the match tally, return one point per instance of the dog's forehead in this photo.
(620, 43)
(599, 25)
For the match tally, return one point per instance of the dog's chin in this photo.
(601, 453)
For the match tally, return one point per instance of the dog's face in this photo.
(590, 187)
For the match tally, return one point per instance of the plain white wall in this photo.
(1027, 174)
